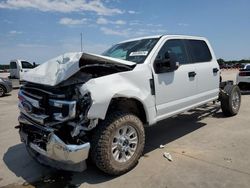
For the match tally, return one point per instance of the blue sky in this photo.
(38, 30)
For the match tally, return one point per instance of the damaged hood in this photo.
(61, 68)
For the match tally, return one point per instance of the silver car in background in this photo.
(5, 86)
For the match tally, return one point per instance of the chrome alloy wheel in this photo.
(235, 100)
(124, 143)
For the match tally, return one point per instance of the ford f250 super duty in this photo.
(81, 105)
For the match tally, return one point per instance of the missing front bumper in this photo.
(56, 153)
(62, 156)
(58, 150)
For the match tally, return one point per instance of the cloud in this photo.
(104, 21)
(132, 32)
(140, 23)
(64, 6)
(183, 24)
(14, 32)
(135, 23)
(32, 45)
(108, 31)
(154, 25)
(132, 12)
(119, 22)
(70, 21)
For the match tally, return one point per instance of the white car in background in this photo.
(243, 78)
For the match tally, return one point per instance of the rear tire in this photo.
(118, 143)
(230, 101)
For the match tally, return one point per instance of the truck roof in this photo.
(159, 36)
(15, 60)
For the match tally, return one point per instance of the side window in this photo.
(13, 65)
(176, 48)
(26, 65)
(199, 51)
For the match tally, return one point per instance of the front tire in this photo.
(118, 143)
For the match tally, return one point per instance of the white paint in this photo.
(61, 68)
(55, 70)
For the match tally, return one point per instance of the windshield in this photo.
(26, 65)
(135, 51)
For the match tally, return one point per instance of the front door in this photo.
(174, 91)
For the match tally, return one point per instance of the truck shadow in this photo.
(178, 126)
(22, 165)
(6, 95)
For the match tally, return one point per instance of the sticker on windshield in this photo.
(139, 53)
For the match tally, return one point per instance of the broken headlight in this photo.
(67, 109)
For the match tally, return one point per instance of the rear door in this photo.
(207, 69)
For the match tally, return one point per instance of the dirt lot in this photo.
(208, 150)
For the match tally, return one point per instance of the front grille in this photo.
(46, 107)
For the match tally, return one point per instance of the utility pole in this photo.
(81, 42)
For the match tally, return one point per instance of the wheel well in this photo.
(3, 87)
(128, 105)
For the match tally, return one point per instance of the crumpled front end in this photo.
(54, 108)
(52, 125)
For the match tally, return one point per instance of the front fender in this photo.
(104, 89)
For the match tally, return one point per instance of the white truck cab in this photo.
(79, 104)
(19, 67)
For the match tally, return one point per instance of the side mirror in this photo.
(168, 63)
(34, 64)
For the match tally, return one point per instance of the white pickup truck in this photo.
(82, 105)
(19, 67)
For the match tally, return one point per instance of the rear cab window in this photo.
(13, 65)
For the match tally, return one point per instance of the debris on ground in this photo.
(145, 155)
(168, 156)
(162, 146)
(228, 160)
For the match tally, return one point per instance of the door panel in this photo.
(207, 80)
(207, 69)
(175, 90)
